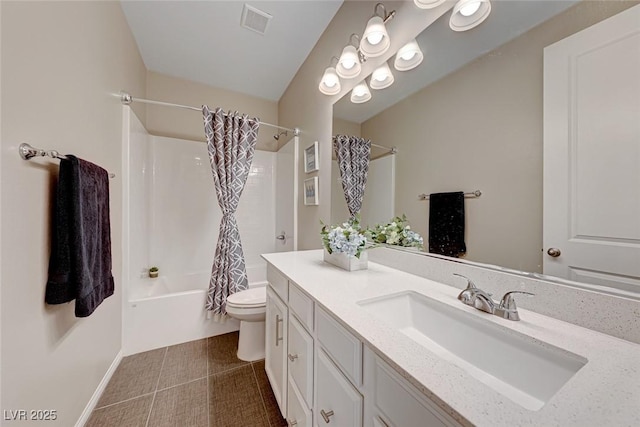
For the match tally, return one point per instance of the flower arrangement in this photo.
(396, 232)
(348, 238)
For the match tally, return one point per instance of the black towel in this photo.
(446, 224)
(80, 261)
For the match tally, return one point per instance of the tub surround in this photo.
(172, 220)
(603, 392)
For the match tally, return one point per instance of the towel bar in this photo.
(28, 152)
(472, 194)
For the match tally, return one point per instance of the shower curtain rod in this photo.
(392, 150)
(127, 99)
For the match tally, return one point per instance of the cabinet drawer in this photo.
(341, 345)
(302, 306)
(300, 359)
(298, 414)
(278, 282)
(337, 401)
(401, 404)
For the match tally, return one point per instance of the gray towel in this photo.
(80, 261)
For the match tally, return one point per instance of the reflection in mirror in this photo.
(378, 200)
(470, 117)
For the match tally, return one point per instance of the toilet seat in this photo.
(249, 307)
(249, 298)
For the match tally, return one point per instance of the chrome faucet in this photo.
(507, 308)
(477, 298)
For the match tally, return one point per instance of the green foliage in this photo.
(396, 232)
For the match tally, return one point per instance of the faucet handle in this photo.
(508, 302)
(470, 284)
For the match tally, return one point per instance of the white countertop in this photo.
(604, 392)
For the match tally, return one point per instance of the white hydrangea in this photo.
(346, 240)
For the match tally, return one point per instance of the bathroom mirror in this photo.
(465, 120)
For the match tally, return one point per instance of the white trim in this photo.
(296, 166)
(99, 390)
(124, 173)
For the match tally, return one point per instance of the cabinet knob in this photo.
(326, 415)
(293, 422)
(292, 357)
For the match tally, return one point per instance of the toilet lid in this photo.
(253, 297)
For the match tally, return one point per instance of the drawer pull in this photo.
(278, 322)
(326, 415)
(293, 423)
(292, 357)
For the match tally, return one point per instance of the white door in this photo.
(592, 156)
(286, 197)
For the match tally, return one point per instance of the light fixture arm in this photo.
(331, 61)
(361, 55)
(357, 40)
(385, 17)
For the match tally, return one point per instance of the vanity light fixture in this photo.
(375, 40)
(428, 4)
(330, 83)
(408, 57)
(360, 93)
(381, 77)
(349, 63)
(468, 14)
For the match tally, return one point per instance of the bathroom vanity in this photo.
(382, 347)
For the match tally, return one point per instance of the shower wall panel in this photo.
(184, 212)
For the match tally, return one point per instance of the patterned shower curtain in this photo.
(231, 141)
(353, 159)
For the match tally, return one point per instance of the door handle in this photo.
(282, 237)
(278, 322)
(554, 252)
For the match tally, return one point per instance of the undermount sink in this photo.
(523, 369)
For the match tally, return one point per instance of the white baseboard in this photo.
(96, 394)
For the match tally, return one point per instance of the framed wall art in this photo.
(311, 163)
(311, 191)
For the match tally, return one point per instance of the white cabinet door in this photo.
(338, 403)
(592, 156)
(276, 348)
(300, 355)
(298, 415)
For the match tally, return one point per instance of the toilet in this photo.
(249, 307)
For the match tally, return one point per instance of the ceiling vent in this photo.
(255, 19)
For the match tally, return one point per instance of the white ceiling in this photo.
(203, 41)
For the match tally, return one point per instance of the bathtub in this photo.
(170, 310)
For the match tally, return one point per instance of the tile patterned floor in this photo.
(196, 384)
